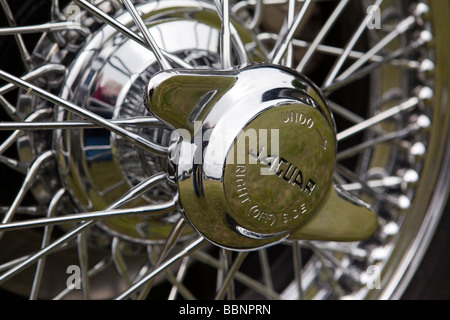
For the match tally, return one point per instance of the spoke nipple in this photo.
(409, 177)
(418, 149)
(421, 9)
(378, 254)
(426, 36)
(426, 66)
(425, 94)
(403, 202)
(423, 121)
(390, 229)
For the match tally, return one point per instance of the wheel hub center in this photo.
(254, 150)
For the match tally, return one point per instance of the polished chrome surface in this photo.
(245, 195)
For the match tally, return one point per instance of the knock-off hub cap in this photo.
(253, 151)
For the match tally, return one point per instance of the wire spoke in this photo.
(178, 285)
(288, 56)
(400, 29)
(99, 267)
(119, 261)
(405, 106)
(296, 253)
(138, 122)
(265, 268)
(194, 245)
(46, 27)
(230, 275)
(16, 134)
(163, 62)
(130, 195)
(45, 241)
(388, 137)
(423, 39)
(24, 54)
(237, 41)
(83, 263)
(353, 54)
(365, 186)
(280, 50)
(104, 214)
(28, 181)
(171, 241)
(321, 35)
(34, 74)
(225, 41)
(128, 33)
(257, 286)
(14, 164)
(340, 62)
(132, 137)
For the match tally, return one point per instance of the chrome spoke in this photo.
(352, 55)
(28, 181)
(43, 252)
(424, 38)
(328, 256)
(360, 30)
(230, 275)
(119, 261)
(255, 285)
(405, 106)
(14, 164)
(163, 62)
(24, 54)
(194, 245)
(93, 216)
(348, 249)
(16, 134)
(422, 123)
(265, 268)
(45, 241)
(401, 203)
(34, 74)
(280, 50)
(134, 138)
(287, 60)
(99, 267)
(344, 112)
(9, 108)
(110, 212)
(321, 35)
(83, 264)
(400, 29)
(138, 122)
(171, 241)
(127, 32)
(225, 43)
(236, 40)
(130, 195)
(46, 27)
(178, 285)
(296, 252)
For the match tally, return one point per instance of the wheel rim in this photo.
(408, 211)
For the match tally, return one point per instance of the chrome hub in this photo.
(107, 75)
(253, 149)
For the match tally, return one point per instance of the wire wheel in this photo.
(94, 204)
